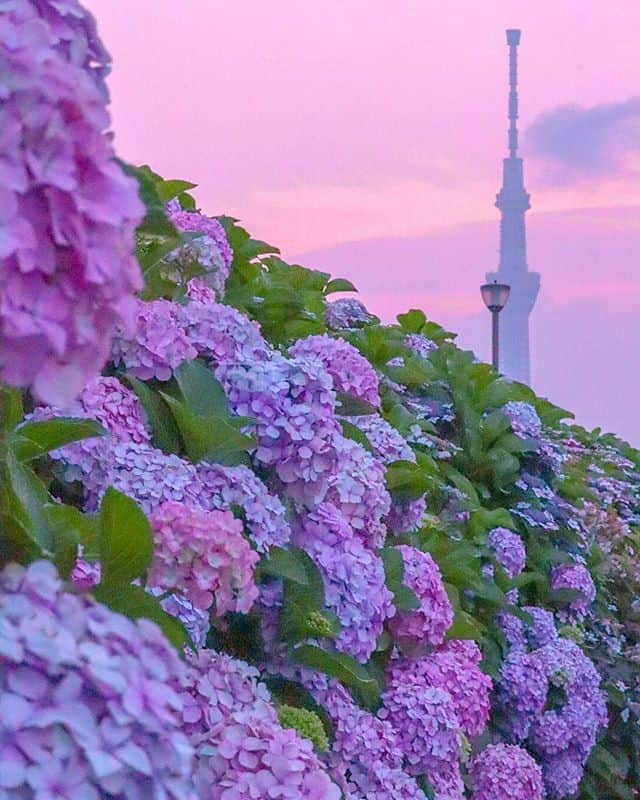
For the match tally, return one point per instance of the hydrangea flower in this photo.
(506, 772)
(85, 574)
(524, 419)
(89, 700)
(222, 333)
(223, 487)
(430, 622)
(347, 313)
(116, 408)
(68, 211)
(578, 578)
(159, 343)
(210, 249)
(386, 442)
(204, 555)
(357, 487)
(508, 549)
(456, 669)
(365, 756)
(293, 404)
(424, 719)
(143, 473)
(406, 517)
(354, 580)
(522, 692)
(74, 35)
(420, 344)
(350, 371)
(242, 751)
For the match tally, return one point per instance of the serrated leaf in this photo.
(134, 602)
(167, 190)
(285, 563)
(412, 321)
(125, 539)
(202, 392)
(35, 439)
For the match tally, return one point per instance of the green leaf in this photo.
(343, 668)
(289, 564)
(24, 501)
(11, 411)
(134, 602)
(352, 431)
(165, 433)
(339, 285)
(69, 528)
(125, 541)
(404, 598)
(203, 394)
(35, 439)
(167, 190)
(406, 481)
(350, 406)
(412, 321)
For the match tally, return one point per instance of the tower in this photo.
(513, 202)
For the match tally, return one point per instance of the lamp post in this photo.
(495, 296)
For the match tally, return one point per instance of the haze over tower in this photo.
(513, 202)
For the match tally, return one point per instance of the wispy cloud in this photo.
(581, 142)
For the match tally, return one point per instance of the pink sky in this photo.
(365, 138)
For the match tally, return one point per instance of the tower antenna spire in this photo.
(513, 40)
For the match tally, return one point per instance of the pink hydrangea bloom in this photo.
(357, 487)
(350, 371)
(506, 772)
(204, 555)
(242, 751)
(431, 621)
(67, 215)
(265, 515)
(116, 408)
(85, 574)
(455, 667)
(354, 579)
(158, 344)
(577, 577)
(508, 549)
(90, 701)
(293, 404)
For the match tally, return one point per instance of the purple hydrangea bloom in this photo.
(242, 751)
(522, 692)
(89, 701)
(68, 213)
(430, 622)
(508, 549)
(159, 343)
(350, 371)
(524, 419)
(365, 757)
(347, 313)
(210, 249)
(357, 487)
(406, 517)
(354, 579)
(74, 34)
(424, 718)
(293, 403)
(265, 515)
(506, 772)
(577, 577)
(387, 443)
(116, 408)
(420, 344)
(222, 333)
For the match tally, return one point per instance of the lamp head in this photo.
(495, 295)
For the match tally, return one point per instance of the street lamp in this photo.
(495, 296)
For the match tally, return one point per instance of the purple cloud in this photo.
(581, 142)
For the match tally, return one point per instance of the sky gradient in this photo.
(366, 139)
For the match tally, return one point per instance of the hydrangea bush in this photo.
(276, 549)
